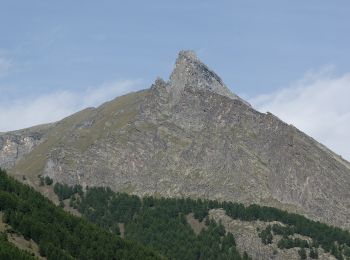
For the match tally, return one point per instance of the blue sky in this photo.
(77, 50)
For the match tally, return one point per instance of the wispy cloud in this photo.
(318, 104)
(29, 111)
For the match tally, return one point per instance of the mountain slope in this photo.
(190, 136)
(165, 224)
(59, 234)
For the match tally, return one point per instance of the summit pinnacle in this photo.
(190, 72)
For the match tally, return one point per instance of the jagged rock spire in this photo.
(189, 71)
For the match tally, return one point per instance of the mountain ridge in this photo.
(187, 137)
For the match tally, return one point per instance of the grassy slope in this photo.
(70, 132)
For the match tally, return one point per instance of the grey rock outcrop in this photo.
(191, 136)
(190, 72)
(16, 145)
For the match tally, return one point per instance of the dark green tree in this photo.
(48, 180)
(302, 253)
(313, 253)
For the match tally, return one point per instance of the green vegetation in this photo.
(59, 234)
(63, 191)
(44, 180)
(286, 243)
(331, 239)
(10, 252)
(302, 253)
(48, 180)
(266, 235)
(160, 223)
(313, 253)
(346, 251)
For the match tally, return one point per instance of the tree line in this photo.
(152, 221)
(160, 224)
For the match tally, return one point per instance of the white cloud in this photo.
(30, 111)
(319, 105)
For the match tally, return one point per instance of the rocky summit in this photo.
(189, 136)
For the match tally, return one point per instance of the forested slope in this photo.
(160, 223)
(58, 234)
(156, 225)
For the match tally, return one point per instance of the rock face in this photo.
(191, 136)
(190, 72)
(16, 145)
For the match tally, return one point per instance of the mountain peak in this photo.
(188, 54)
(186, 137)
(190, 72)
